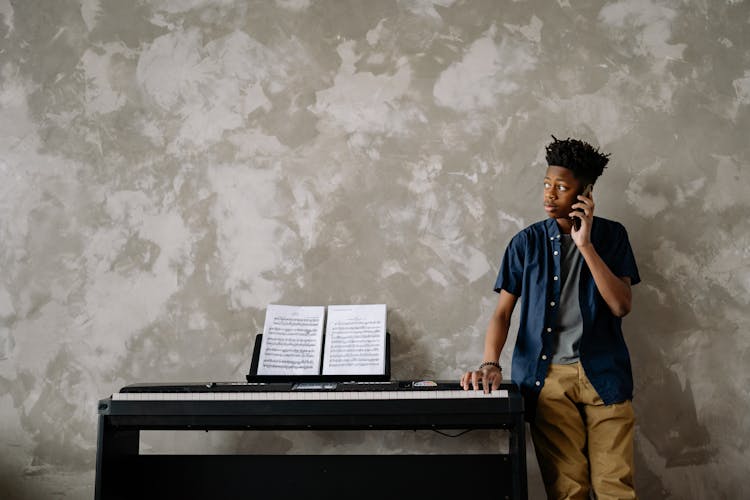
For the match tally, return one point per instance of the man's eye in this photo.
(546, 185)
(562, 188)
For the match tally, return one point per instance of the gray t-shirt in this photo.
(569, 324)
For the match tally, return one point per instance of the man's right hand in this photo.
(490, 376)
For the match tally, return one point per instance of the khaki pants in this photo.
(580, 442)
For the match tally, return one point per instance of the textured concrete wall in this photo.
(169, 167)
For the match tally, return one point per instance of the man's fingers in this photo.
(489, 379)
(475, 380)
(496, 382)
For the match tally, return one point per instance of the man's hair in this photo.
(583, 159)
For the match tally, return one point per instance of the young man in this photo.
(570, 358)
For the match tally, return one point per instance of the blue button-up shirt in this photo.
(531, 271)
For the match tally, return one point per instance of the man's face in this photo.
(561, 189)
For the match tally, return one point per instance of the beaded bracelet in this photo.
(491, 363)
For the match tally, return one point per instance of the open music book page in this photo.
(355, 340)
(292, 340)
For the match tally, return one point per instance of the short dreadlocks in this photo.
(584, 160)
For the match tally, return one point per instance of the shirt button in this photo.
(552, 237)
(537, 383)
(552, 303)
(544, 356)
(555, 252)
(549, 330)
(555, 278)
(558, 236)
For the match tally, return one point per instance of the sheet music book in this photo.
(293, 340)
(355, 340)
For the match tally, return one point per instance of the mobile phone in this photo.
(586, 192)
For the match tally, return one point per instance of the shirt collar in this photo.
(553, 230)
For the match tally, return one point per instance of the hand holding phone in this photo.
(586, 192)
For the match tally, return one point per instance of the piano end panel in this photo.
(114, 447)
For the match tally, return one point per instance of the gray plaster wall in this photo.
(170, 167)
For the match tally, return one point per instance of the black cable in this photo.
(452, 435)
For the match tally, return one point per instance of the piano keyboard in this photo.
(308, 395)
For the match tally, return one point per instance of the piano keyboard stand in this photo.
(123, 473)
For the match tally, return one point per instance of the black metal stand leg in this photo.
(112, 446)
(517, 450)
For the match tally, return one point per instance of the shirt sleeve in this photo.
(624, 261)
(510, 277)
